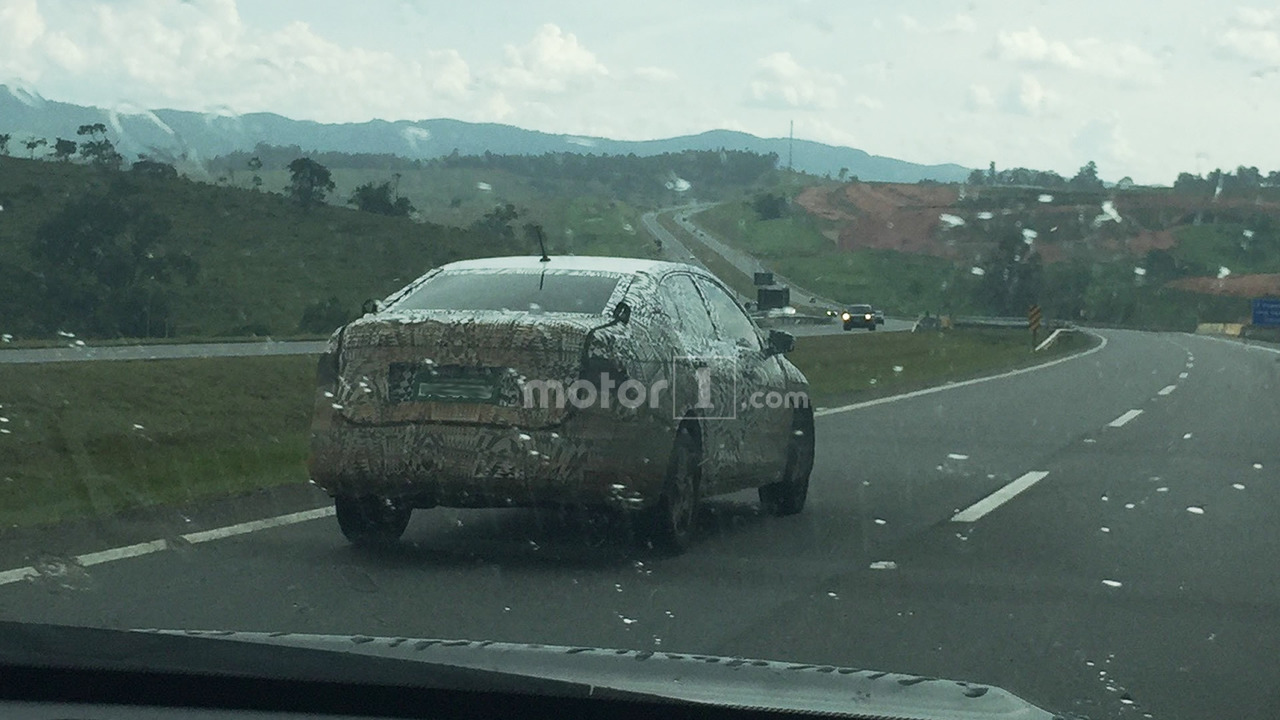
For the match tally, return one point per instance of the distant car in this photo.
(512, 382)
(879, 316)
(862, 316)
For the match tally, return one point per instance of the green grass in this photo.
(219, 427)
(850, 368)
(1205, 248)
(263, 259)
(721, 268)
(903, 284)
(208, 428)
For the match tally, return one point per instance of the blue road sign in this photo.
(1266, 312)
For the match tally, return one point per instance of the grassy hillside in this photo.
(1101, 256)
(263, 259)
(794, 246)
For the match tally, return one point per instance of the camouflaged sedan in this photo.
(636, 385)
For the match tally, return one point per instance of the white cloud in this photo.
(1103, 142)
(198, 54)
(958, 23)
(1252, 36)
(1120, 61)
(1028, 96)
(552, 62)
(656, 74)
(781, 82)
(1029, 46)
(980, 98)
(868, 102)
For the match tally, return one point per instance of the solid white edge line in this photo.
(975, 511)
(1167, 389)
(255, 525)
(8, 577)
(964, 383)
(1237, 343)
(17, 575)
(1125, 418)
(120, 553)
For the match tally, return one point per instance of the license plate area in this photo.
(421, 383)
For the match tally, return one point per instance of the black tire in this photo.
(787, 496)
(872, 327)
(371, 522)
(669, 524)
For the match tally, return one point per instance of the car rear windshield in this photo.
(552, 291)
(860, 309)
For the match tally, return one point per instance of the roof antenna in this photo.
(537, 229)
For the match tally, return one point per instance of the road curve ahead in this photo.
(1098, 536)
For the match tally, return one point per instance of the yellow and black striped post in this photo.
(1033, 322)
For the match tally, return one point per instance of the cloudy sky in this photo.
(1144, 88)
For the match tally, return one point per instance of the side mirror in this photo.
(370, 307)
(781, 342)
(622, 312)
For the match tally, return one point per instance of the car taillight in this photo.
(600, 371)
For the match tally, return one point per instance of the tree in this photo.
(322, 317)
(309, 183)
(1087, 178)
(844, 172)
(32, 144)
(378, 199)
(977, 177)
(64, 149)
(106, 267)
(1012, 278)
(255, 165)
(99, 149)
(4, 144)
(496, 224)
(154, 169)
(769, 206)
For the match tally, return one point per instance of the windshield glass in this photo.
(1041, 453)
(522, 291)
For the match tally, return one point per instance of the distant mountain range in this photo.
(197, 137)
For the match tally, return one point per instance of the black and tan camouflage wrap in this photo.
(371, 437)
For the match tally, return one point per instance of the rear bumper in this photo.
(588, 460)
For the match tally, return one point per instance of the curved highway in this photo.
(1097, 536)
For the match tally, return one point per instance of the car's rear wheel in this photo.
(372, 521)
(787, 496)
(669, 523)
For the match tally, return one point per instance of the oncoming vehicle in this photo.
(859, 316)
(633, 385)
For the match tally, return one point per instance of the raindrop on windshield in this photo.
(897, 368)
(881, 521)
(1195, 510)
(1111, 583)
(1129, 506)
(957, 456)
(884, 565)
(1187, 436)
(1257, 466)
(1162, 489)
(1238, 486)
(1106, 529)
(975, 270)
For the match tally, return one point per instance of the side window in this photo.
(683, 303)
(730, 320)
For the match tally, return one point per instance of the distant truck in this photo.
(772, 297)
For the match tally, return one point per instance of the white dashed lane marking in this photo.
(1120, 421)
(1167, 389)
(975, 511)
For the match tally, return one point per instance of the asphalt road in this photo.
(1135, 573)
